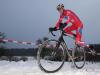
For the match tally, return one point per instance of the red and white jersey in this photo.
(69, 16)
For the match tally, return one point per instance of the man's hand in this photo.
(62, 25)
(52, 29)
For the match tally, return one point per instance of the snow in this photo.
(30, 67)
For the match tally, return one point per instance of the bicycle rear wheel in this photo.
(51, 56)
(79, 57)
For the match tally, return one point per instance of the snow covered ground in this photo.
(31, 68)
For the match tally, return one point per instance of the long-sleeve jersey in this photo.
(69, 16)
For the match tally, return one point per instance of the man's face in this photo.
(60, 11)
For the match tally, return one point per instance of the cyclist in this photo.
(71, 23)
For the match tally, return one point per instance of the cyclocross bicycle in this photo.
(53, 53)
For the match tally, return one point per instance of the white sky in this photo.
(28, 20)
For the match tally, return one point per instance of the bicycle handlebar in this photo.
(63, 32)
(62, 25)
(57, 29)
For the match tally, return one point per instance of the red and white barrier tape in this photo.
(17, 42)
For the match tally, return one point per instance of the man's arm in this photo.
(56, 27)
(58, 23)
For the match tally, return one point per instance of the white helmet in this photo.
(60, 6)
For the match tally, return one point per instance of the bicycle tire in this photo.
(75, 60)
(39, 58)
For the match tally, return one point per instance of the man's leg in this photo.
(69, 29)
(78, 35)
(78, 30)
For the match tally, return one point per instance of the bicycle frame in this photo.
(61, 40)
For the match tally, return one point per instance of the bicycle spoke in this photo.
(79, 57)
(51, 59)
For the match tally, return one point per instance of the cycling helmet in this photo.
(60, 6)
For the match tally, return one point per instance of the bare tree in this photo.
(45, 38)
(2, 36)
(38, 42)
(2, 51)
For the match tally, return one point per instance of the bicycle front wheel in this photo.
(51, 56)
(79, 57)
